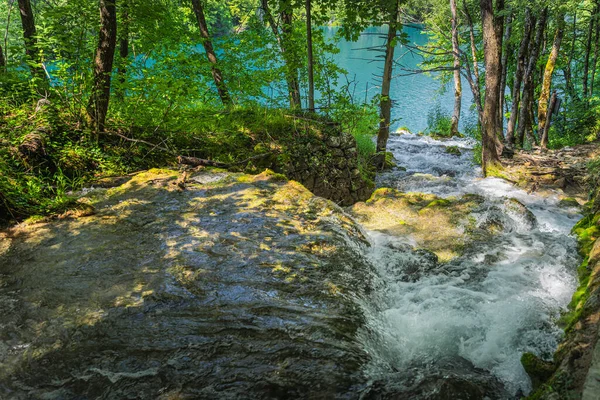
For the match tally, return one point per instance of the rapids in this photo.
(472, 318)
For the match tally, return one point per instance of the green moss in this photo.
(568, 202)
(496, 171)
(439, 203)
(587, 232)
(538, 370)
(454, 150)
(34, 219)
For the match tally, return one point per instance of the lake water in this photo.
(414, 95)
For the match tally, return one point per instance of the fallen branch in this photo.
(200, 162)
(193, 161)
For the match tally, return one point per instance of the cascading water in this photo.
(473, 317)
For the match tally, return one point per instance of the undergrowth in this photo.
(47, 153)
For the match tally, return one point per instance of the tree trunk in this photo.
(547, 82)
(505, 58)
(516, 91)
(103, 64)
(567, 70)
(210, 54)
(457, 78)
(29, 35)
(311, 65)
(386, 101)
(588, 50)
(524, 119)
(123, 49)
(553, 101)
(2, 61)
(291, 75)
(492, 54)
(287, 29)
(475, 80)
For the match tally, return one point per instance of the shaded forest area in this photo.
(104, 88)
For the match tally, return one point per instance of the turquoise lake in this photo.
(414, 95)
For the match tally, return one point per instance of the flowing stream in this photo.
(474, 317)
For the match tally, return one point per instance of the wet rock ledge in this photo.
(234, 287)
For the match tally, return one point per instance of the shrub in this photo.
(439, 122)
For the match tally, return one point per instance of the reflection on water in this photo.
(414, 95)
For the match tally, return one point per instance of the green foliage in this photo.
(579, 123)
(439, 122)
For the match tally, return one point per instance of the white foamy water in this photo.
(491, 305)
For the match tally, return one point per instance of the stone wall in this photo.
(329, 167)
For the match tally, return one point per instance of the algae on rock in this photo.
(443, 226)
(163, 291)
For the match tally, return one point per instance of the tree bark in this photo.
(386, 101)
(473, 78)
(210, 54)
(506, 53)
(570, 88)
(553, 101)
(492, 54)
(2, 61)
(287, 29)
(311, 65)
(29, 35)
(457, 78)
(547, 82)
(103, 64)
(528, 79)
(516, 91)
(492, 29)
(291, 75)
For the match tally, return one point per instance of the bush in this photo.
(578, 123)
(60, 156)
(439, 123)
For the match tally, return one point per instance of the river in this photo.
(477, 314)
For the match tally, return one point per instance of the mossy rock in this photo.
(538, 370)
(568, 202)
(454, 150)
(419, 215)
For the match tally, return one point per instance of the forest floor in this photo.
(564, 169)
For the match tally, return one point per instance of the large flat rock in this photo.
(236, 287)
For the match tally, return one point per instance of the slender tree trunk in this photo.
(553, 101)
(386, 101)
(311, 65)
(475, 80)
(291, 75)
(567, 70)
(516, 91)
(505, 58)
(123, 49)
(29, 35)
(103, 64)
(2, 61)
(588, 50)
(457, 78)
(547, 82)
(530, 134)
(210, 53)
(528, 79)
(6, 31)
(287, 28)
(492, 52)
